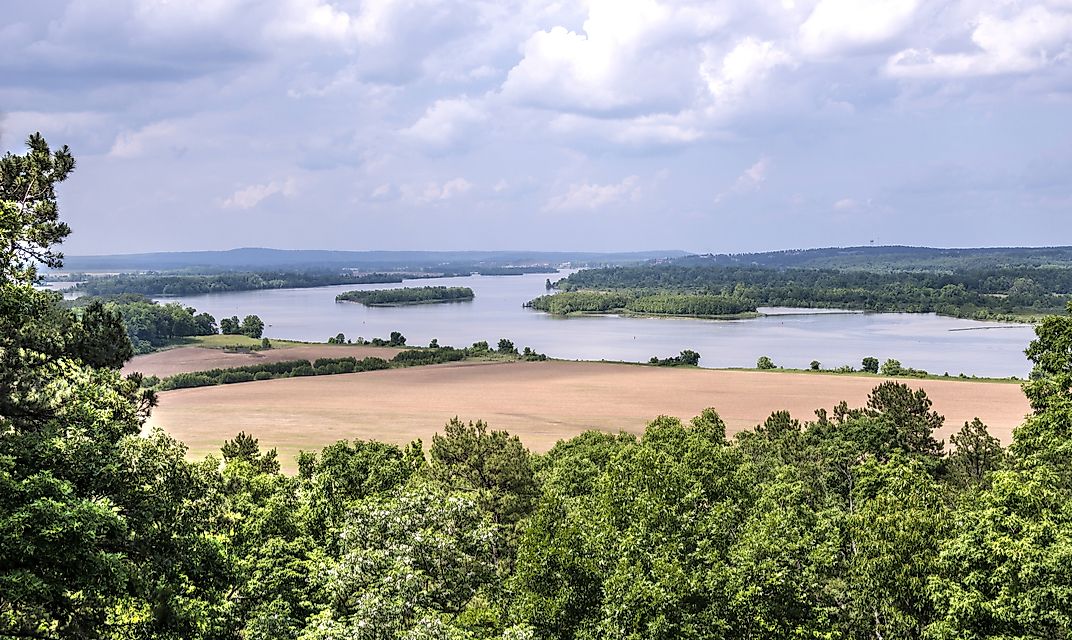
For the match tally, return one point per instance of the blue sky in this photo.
(534, 124)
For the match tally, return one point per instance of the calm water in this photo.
(923, 341)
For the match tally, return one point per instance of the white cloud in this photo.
(132, 144)
(594, 196)
(1029, 41)
(750, 180)
(841, 26)
(435, 192)
(252, 195)
(635, 56)
(643, 131)
(446, 123)
(741, 71)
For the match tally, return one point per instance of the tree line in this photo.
(994, 293)
(153, 284)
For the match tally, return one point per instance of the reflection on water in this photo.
(923, 341)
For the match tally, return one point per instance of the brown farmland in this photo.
(187, 359)
(542, 402)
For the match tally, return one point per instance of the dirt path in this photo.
(542, 402)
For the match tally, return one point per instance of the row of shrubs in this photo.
(434, 354)
(269, 371)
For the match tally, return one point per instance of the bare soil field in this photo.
(187, 359)
(542, 402)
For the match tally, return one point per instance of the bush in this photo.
(765, 363)
(262, 375)
(815, 364)
(187, 381)
(231, 377)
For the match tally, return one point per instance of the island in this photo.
(406, 296)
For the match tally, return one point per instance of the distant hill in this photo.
(258, 258)
(892, 258)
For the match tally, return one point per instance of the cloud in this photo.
(750, 180)
(634, 57)
(252, 195)
(1027, 42)
(851, 204)
(132, 144)
(844, 26)
(659, 130)
(743, 70)
(446, 123)
(435, 192)
(594, 196)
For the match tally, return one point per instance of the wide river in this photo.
(792, 339)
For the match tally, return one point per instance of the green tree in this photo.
(869, 364)
(230, 326)
(493, 465)
(892, 367)
(765, 363)
(975, 453)
(507, 347)
(252, 326)
(815, 365)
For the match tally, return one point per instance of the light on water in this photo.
(792, 339)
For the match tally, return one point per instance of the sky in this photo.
(595, 125)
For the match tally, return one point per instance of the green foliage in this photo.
(869, 364)
(252, 326)
(153, 284)
(148, 325)
(688, 357)
(407, 295)
(569, 302)
(993, 292)
(765, 363)
(815, 365)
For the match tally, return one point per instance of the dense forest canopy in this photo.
(195, 284)
(997, 293)
(407, 295)
(855, 524)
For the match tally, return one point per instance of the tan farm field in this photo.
(542, 402)
(188, 359)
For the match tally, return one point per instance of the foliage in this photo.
(150, 325)
(765, 363)
(688, 357)
(155, 284)
(997, 292)
(407, 295)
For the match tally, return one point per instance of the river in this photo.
(790, 338)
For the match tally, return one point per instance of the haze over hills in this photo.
(877, 258)
(262, 258)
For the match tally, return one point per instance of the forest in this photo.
(856, 523)
(678, 304)
(1000, 293)
(150, 325)
(407, 295)
(155, 284)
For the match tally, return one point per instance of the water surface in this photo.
(791, 337)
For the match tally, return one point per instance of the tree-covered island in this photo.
(1017, 294)
(406, 296)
